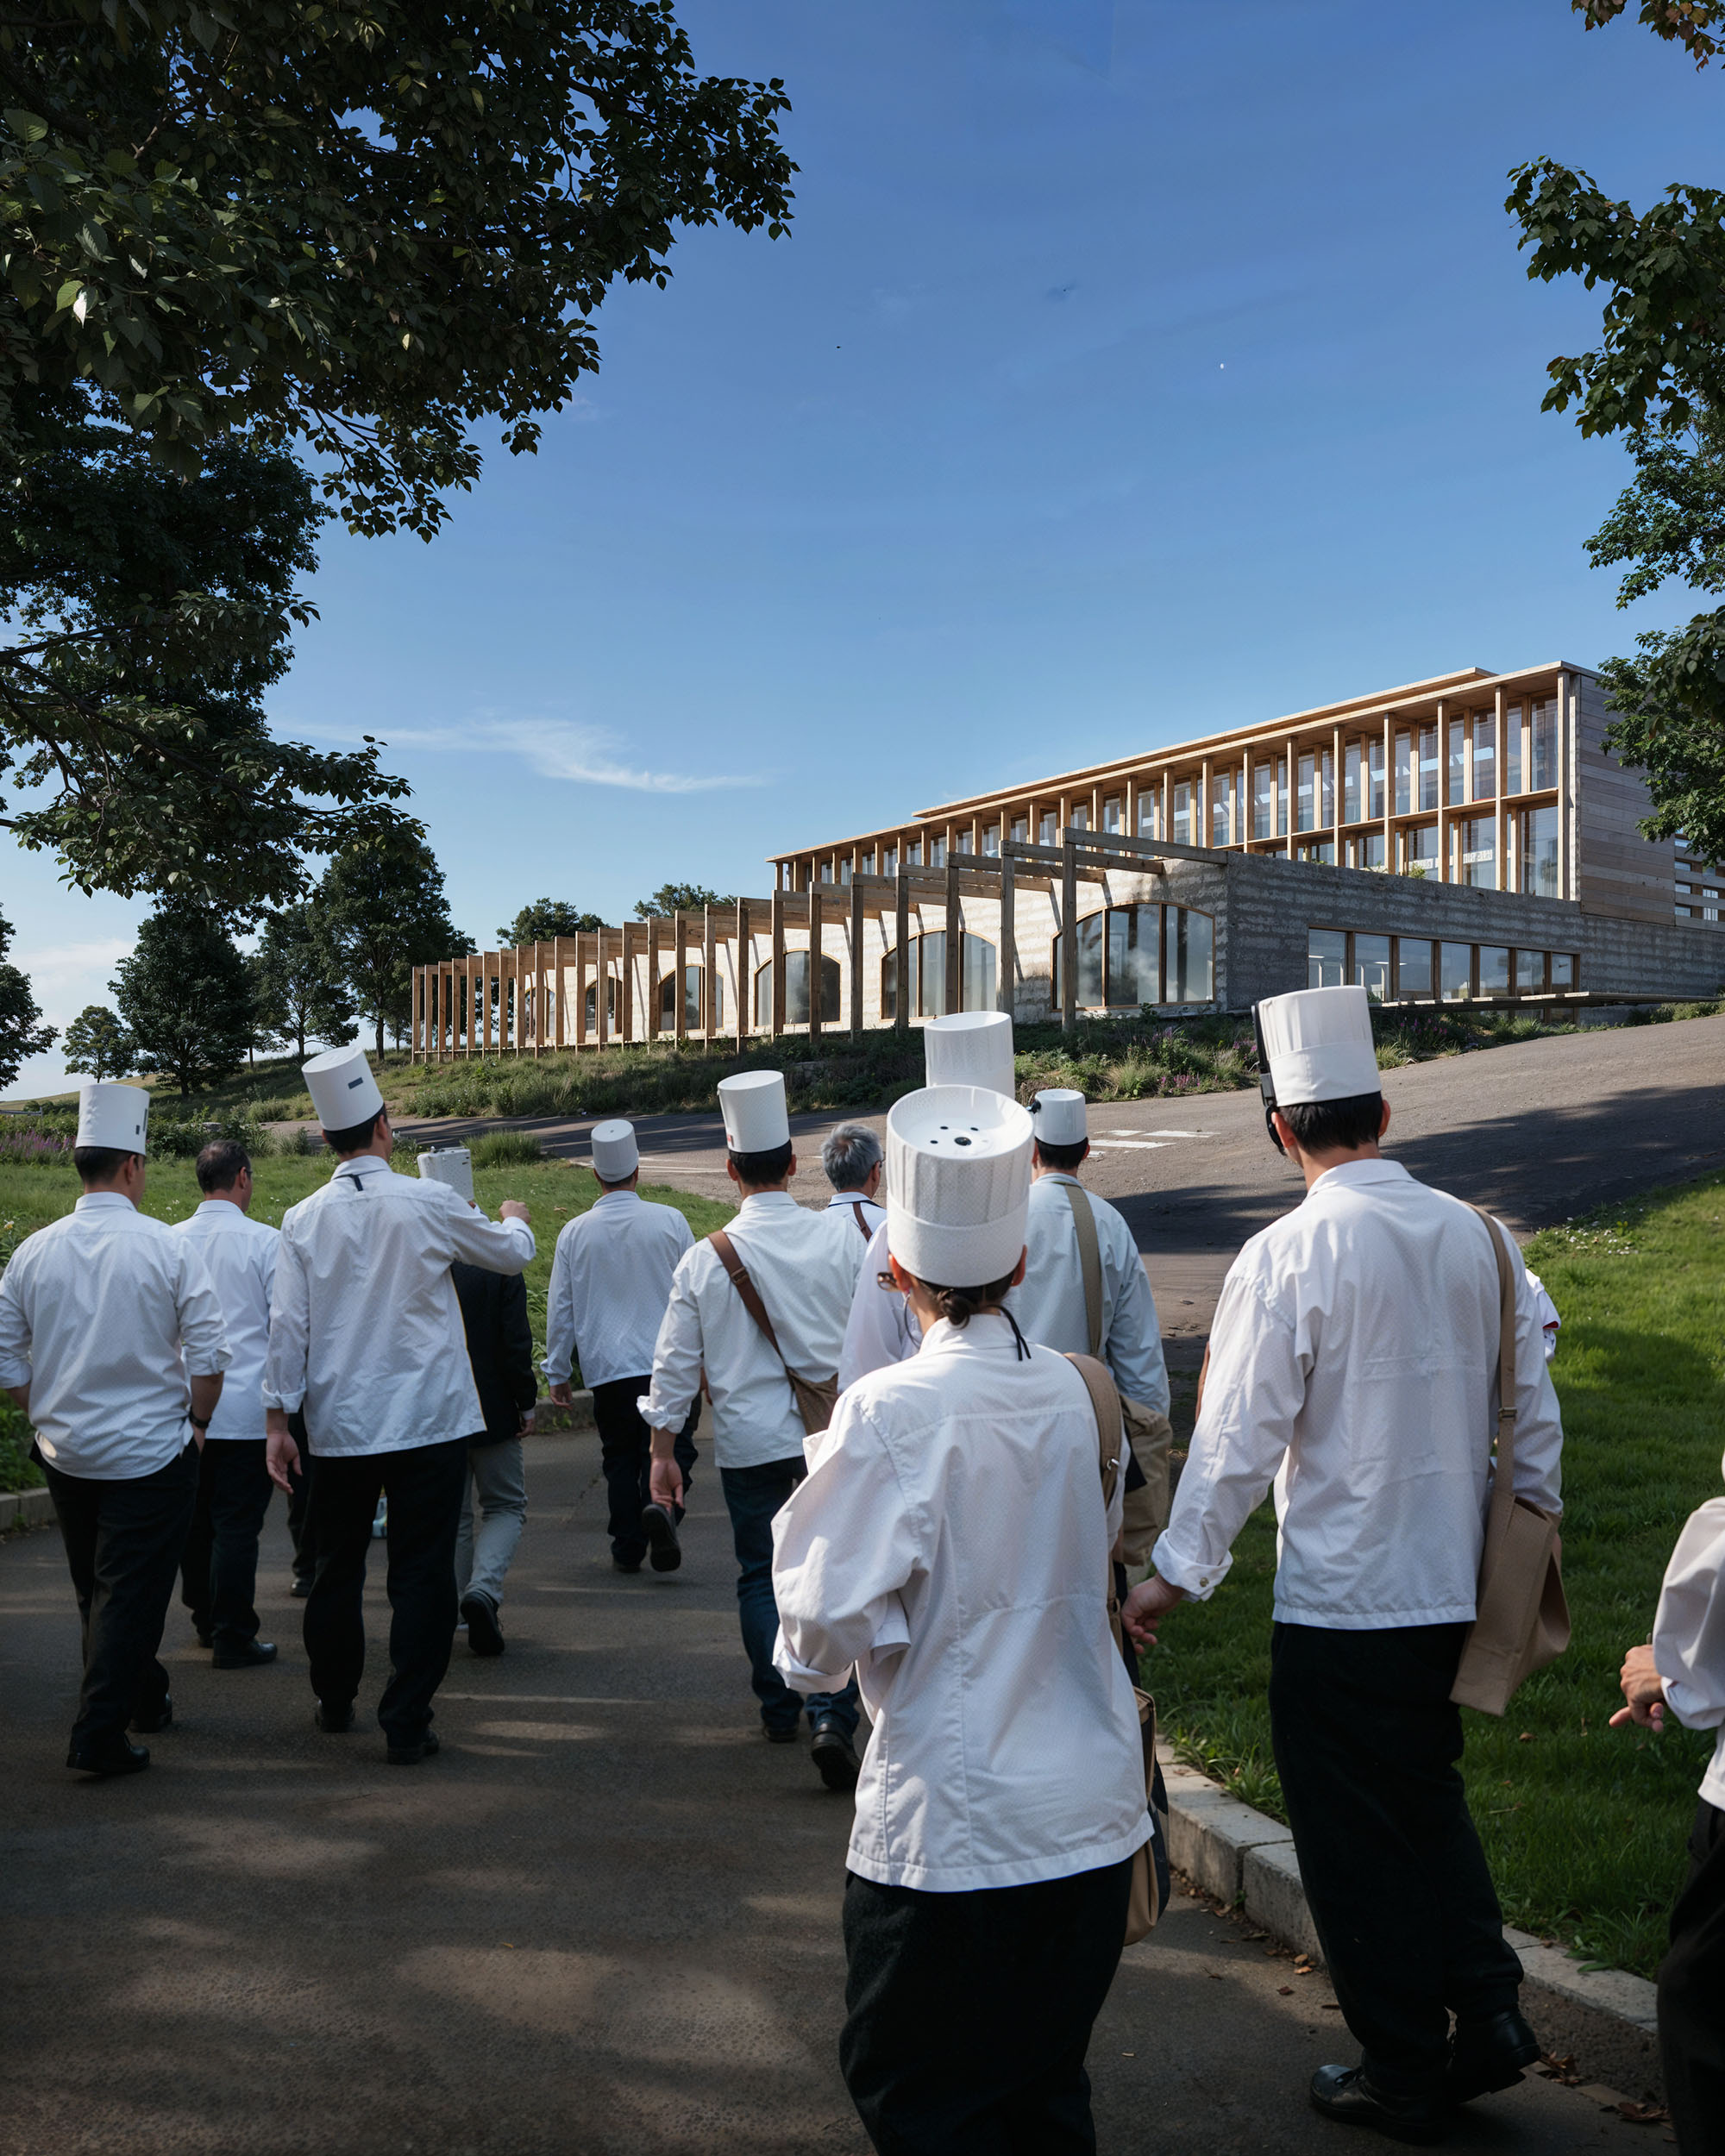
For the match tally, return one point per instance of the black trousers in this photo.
(626, 1447)
(424, 1487)
(1366, 1743)
(218, 1568)
(298, 1504)
(122, 1545)
(1692, 1995)
(970, 2013)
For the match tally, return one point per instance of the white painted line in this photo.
(1128, 1145)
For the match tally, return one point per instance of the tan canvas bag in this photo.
(816, 1397)
(1144, 1906)
(1151, 1434)
(1521, 1618)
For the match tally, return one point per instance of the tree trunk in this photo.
(380, 1036)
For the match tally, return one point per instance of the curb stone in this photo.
(22, 1508)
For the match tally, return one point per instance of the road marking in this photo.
(1128, 1145)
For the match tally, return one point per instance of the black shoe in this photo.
(665, 1552)
(485, 1634)
(779, 1736)
(834, 1755)
(249, 1654)
(159, 1718)
(1489, 2053)
(423, 1747)
(205, 1637)
(625, 1565)
(114, 1756)
(299, 1586)
(1343, 2093)
(334, 1721)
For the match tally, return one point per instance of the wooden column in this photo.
(859, 924)
(709, 1003)
(1069, 932)
(1290, 813)
(1008, 979)
(1566, 737)
(1389, 793)
(955, 930)
(559, 1030)
(601, 999)
(1166, 831)
(1243, 812)
(1337, 778)
(625, 987)
(1446, 818)
(581, 942)
(776, 1019)
(539, 998)
(680, 992)
(1500, 765)
(901, 955)
(652, 980)
(744, 963)
(816, 909)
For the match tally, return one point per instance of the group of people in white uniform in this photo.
(940, 1428)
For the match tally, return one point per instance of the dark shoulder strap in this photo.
(1105, 1405)
(1089, 1260)
(747, 1292)
(1503, 1488)
(863, 1226)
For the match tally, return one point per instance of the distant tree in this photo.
(95, 1042)
(545, 919)
(298, 1000)
(380, 911)
(22, 1031)
(186, 997)
(677, 897)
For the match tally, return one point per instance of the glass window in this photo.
(1544, 745)
(1183, 812)
(1562, 969)
(1133, 936)
(1326, 787)
(1113, 811)
(1457, 762)
(1404, 774)
(1371, 966)
(610, 1006)
(1284, 806)
(1221, 799)
(1091, 930)
(865, 862)
(1539, 850)
(1188, 971)
(1263, 801)
(1366, 851)
(1485, 756)
(1477, 843)
(1149, 810)
(1512, 750)
(1020, 831)
(1374, 757)
(1419, 850)
(1530, 973)
(928, 976)
(1049, 828)
(937, 853)
(1318, 849)
(826, 872)
(1456, 968)
(1327, 951)
(889, 861)
(1428, 767)
(913, 854)
(844, 872)
(1351, 811)
(1080, 813)
(1413, 967)
(1305, 807)
(692, 1002)
(797, 991)
(991, 841)
(1494, 970)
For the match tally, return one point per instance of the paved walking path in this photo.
(605, 1920)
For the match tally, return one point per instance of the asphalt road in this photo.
(604, 1921)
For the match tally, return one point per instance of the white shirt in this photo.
(1354, 1358)
(1689, 1634)
(804, 1266)
(873, 1216)
(882, 1328)
(103, 1315)
(365, 1329)
(1548, 1314)
(951, 1542)
(611, 1280)
(240, 1255)
(1049, 1302)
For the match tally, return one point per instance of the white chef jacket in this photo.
(882, 1328)
(951, 1542)
(365, 1329)
(1049, 1302)
(611, 1280)
(103, 1315)
(1548, 1313)
(1689, 1634)
(873, 1216)
(1354, 1359)
(803, 1265)
(239, 1254)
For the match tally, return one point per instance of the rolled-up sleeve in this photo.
(1688, 1632)
(290, 1335)
(15, 1328)
(202, 1336)
(845, 1543)
(1253, 1398)
(677, 1356)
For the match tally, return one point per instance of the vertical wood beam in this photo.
(625, 987)
(1243, 808)
(1566, 733)
(1004, 984)
(1388, 792)
(582, 940)
(816, 909)
(1069, 933)
(1446, 826)
(1289, 811)
(1499, 767)
(1336, 777)
(901, 955)
(680, 993)
(709, 990)
(1166, 831)
(601, 1000)
(744, 967)
(776, 1019)
(955, 930)
(559, 1031)
(859, 922)
(653, 981)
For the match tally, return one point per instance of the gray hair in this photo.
(850, 1154)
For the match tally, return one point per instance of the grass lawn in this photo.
(1584, 1826)
(556, 1191)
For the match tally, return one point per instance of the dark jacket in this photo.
(500, 1348)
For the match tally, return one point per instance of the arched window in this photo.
(1129, 955)
(928, 976)
(797, 991)
(610, 1007)
(692, 1002)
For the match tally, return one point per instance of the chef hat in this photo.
(343, 1091)
(753, 1105)
(958, 1184)
(615, 1155)
(113, 1115)
(1317, 1042)
(1059, 1115)
(971, 1047)
(451, 1164)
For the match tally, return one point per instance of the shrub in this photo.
(507, 1149)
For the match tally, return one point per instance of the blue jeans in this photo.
(752, 1495)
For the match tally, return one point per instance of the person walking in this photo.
(1682, 1672)
(1353, 1360)
(800, 1267)
(951, 1541)
(850, 1158)
(499, 1339)
(112, 1342)
(611, 1281)
(218, 1568)
(366, 1333)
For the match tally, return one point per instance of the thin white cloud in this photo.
(560, 749)
(66, 976)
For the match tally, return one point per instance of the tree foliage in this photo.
(97, 1043)
(1670, 522)
(22, 1031)
(186, 997)
(298, 1000)
(677, 897)
(1694, 24)
(367, 224)
(381, 911)
(545, 919)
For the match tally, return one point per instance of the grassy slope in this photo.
(556, 1190)
(1584, 1826)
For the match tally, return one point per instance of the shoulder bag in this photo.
(1521, 1618)
(1150, 1434)
(863, 1226)
(1145, 1904)
(816, 1397)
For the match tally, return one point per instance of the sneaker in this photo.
(664, 1551)
(485, 1634)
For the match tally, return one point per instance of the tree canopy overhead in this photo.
(364, 224)
(544, 919)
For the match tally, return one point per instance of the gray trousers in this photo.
(482, 1556)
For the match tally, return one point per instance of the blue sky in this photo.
(1132, 370)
